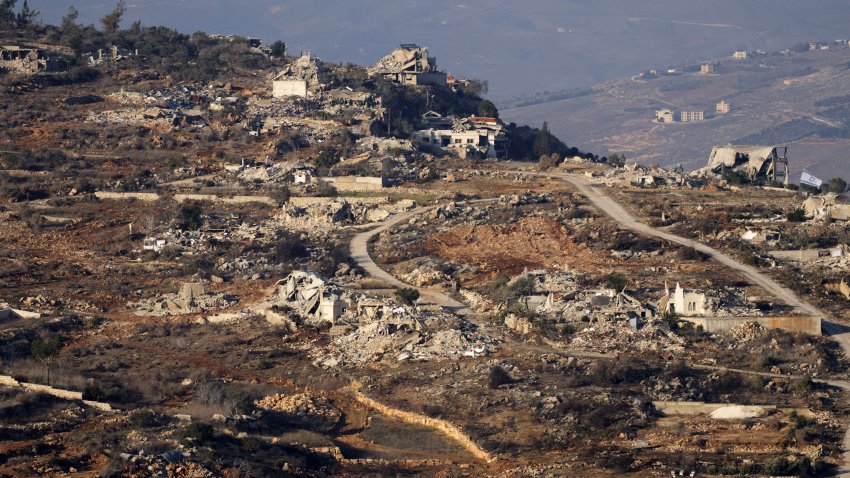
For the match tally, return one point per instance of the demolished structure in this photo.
(311, 296)
(29, 60)
(302, 78)
(830, 205)
(477, 137)
(757, 162)
(191, 298)
(409, 65)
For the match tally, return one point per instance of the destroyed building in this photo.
(29, 60)
(409, 65)
(757, 162)
(476, 137)
(302, 78)
(830, 205)
(113, 54)
(687, 303)
(311, 296)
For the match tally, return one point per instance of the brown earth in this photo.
(532, 243)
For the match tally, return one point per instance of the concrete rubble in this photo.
(654, 336)
(303, 409)
(190, 299)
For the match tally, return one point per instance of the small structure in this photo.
(740, 55)
(311, 296)
(664, 116)
(722, 108)
(686, 303)
(469, 137)
(302, 78)
(829, 205)
(768, 162)
(8, 313)
(706, 68)
(692, 116)
(762, 236)
(29, 60)
(113, 54)
(409, 65)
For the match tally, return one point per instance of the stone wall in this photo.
(8, 381)
(225, 199)
(791, 323)
(442, 426)
(147, 197)
(356, 183)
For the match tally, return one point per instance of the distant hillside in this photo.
(521, 47)
(801, 99)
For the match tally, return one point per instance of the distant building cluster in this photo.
(684, 116)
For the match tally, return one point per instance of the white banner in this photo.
(810, 179)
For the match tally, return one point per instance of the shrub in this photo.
(189, 218)
(200, 432)
(288, 246)
(616, 281)
(498, 377)
(797, 215)
(407, 295)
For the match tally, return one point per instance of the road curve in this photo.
(839, 333)
(360, 254)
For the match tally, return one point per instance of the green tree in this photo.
(26, 16)
(616, 281)
(278, 49)
(797, 215)
(835, 185)
(112, 20)
(543, 142)
(190, 217)
(407, 295)
(45, 350)
(7, 13)
(487, 109)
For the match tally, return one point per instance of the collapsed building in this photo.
(757, 162)
(830, 205)
(113, 54)
(311, 297)
(409, 65)
(29, 60)
(477, 137)
(302, 78)
(191, 298)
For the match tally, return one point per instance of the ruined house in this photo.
(757, 162)
(29, 60)
(409, 65)
(302, 78)
(686, 303)
(476, 137)
(112, 54)
(830, 205)
(311, 296)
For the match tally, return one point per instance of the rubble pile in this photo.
(311, 297)
(303, 409)
(637, 175)
(190, 299)
(401, 336)
(426, 273)
(747, 332)
(618, 337)
(171, 465)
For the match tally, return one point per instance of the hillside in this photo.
(797, 99)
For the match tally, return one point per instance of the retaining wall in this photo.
(791, 323)
(226, 200)
(443, 426)
(310, 201)
(356, 183)
(147, 197)
(8, 381)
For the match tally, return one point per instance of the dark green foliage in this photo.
(616, 281)
(147, 419)
(288, 246)
(7, 13)
(522, 145)
(691, 254)
(281, 195)
(26, 16)
(327, 158)
(40, 160)
(736, 177)
(407, 296)
(487, 109)
(498, 377)
(543, 142)
(200, 432)
(190, 217)
(835, 185)
(44, 349)
(797, 215)
(672, 318)
(111, 21)
(278, 48)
